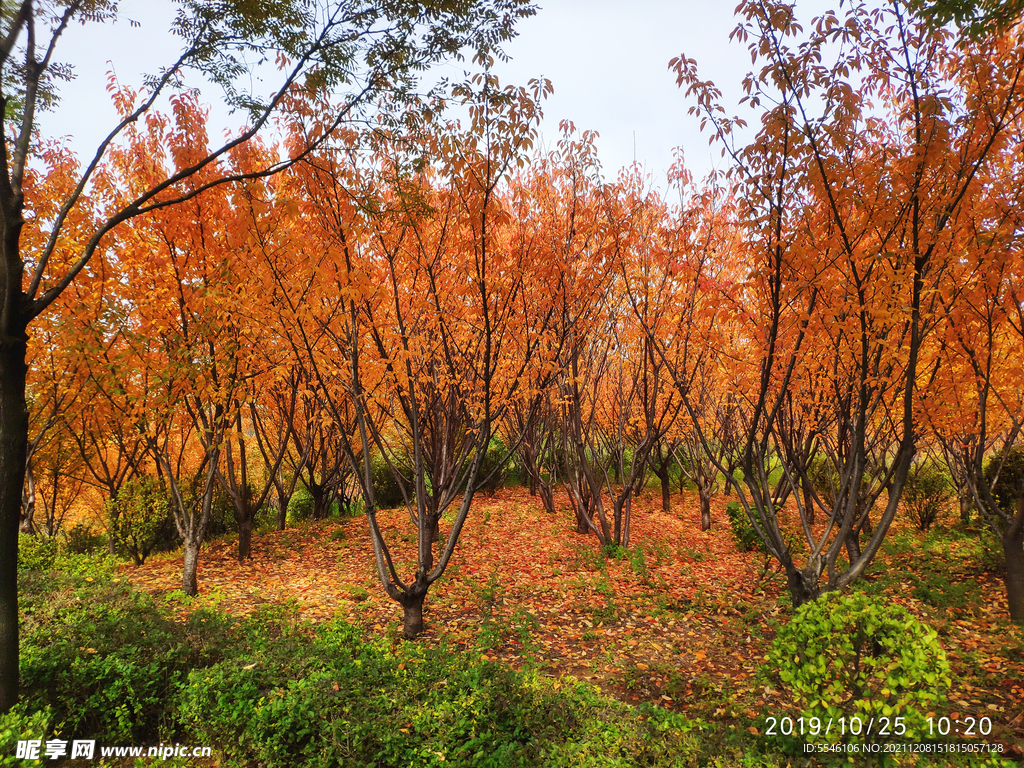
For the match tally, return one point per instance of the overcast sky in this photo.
(608, 62)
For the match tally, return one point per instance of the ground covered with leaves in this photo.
(681, 620)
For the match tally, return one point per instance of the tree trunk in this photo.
(805, 485)
(547, 498)
(412, 613)
(965, 509)
(245, 536)
(727, 489)
(853, 537)
(582, 526)
(319, 498)
(666, 489)
(616, 522)
(282, 508)
(627, 522)
(13, 453)
(28, 504)
(189, 584)
(802, 587)
(853, 546)
(865, 524)
(705, 508)
(1013, 551)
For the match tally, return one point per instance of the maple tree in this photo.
(186, 325)
(555, 202)
(461, 353)
(535, 424)
(54, 395)
(289, 416)
(668, 290)
(641, 406)
(416, 295)
(975, 396)
(577, 356)
(849, 217)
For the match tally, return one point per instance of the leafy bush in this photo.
(928, 492)
(139, 518)
(387, 494)
(492, 477)
(102, 657)
(22, 723)
(36, 553)
(83, 540)
(1011, 476)
(849, 656)
(300, 505)
(743, 532)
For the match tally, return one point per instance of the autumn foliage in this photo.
(435, 301)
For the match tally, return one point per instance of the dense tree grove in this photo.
(414, 302)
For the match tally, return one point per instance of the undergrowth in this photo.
(103, 661)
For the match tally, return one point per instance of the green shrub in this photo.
(21, 723)
(81, 539)
(850, 656)
(101, 661)
(1010, 482)
(387, 494)
(743, 533)
(928, 492)
(101, 656)
(490, 475)
(36, 553)
(95, 566)
(139, 518)
(300, 505)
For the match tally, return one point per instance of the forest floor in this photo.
(681, 619)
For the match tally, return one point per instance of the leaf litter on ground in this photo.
(682, 619)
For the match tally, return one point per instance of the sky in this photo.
(607, 60)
